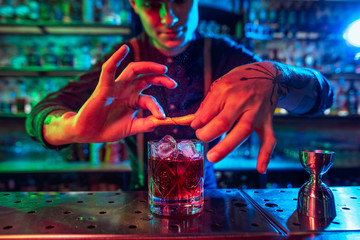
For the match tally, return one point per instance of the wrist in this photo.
(58, 128)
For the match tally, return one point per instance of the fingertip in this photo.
(125, 47)
(160, 68)
(193, 124)
(262, 167)
(174, 82)
(262, 170)
(158, 112)
(213, 157)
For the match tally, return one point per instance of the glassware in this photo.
(315, 198)
(176, 177)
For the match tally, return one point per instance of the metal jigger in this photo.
(315, 199)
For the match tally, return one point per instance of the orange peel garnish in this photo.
(184, 120)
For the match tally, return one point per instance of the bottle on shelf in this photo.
(352, 99)
(108, 13)
(4, 97)
(125, 12)
(33, 56)
(45, 10)
(20, 100)
(34, 7)
(87, 11)
(83, 57)
(7, 11)
(96, 153)
(97, 11)
(76, 10)
(19, 59)
(67, 57)
(57, 11)
(263, 12)
(340, 104)
(272, 10)
(66, 11)
(22, 11)
(50, 58)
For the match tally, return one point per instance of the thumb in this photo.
(142, 125)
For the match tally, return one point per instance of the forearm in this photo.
(58, 128)
(302, 90)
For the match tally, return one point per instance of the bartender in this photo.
(172, 70)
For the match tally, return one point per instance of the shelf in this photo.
(269, 32)
(11, 115)
(237, 163)
(337, 76)
(343, 121)
(72, 72)
(41, 166)
(40, 72)
(41, 28)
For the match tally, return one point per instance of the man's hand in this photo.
(109, 114)
(244, 99)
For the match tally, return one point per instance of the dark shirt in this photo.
(187, 69)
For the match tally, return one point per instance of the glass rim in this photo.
(319, 151)
(194, 140)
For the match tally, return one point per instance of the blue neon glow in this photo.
(352, 34)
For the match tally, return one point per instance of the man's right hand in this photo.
(109, 114)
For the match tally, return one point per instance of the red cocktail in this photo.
(176, 177)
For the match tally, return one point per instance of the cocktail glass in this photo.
(176, 177)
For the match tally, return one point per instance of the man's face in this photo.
(170, 24)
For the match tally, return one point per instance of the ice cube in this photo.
(188, 149)
(166, 148)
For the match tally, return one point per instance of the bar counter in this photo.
(228, 214)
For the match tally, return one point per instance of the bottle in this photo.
(263, 12)
(57, 11)
(87, 11)
(97, 11)
(352, 99)
(340, 105)
(8, 11)
(312, 18)
(33, 56)
(20, 100)
(22, 11)
(96, 153)
(82, 151)
(5, 98)
(302, 17)
(19, 59)
(66, 11)
(292, 20)
(282, 16)
(45, 10)
(125, 13)
(67, 58)
(272, 11)
(112, 153)
(50, 59)
(107, 13)
(34, 10)
(83, 57)
(76, 11)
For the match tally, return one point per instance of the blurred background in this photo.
(46, 43)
